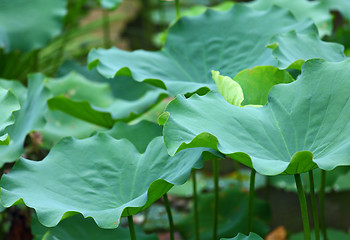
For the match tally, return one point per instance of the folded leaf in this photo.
(304, 125)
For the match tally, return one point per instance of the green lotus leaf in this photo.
(123, 87)
(196, 45)
(111, 179)
(29, 118)
(240, 236)
(9, 104)
(301, 9)
(77, 228)
(17, 88)
(304, 124)
(99, 108)
(110, 4)
(140, 134)
(233, 205)
(287, 49)
(343, 6)
(20, 20)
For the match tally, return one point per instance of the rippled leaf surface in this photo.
(20, 19)
(240, 236)
(111, 179)
(304, 125)
(224, 41)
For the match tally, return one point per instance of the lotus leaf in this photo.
(29, 118)
(110, 4)
(302, 9)
(224, 41)
(304, 125)
(287, 49)
(77, 228)
(9, 104)
(111, 179)
(99, 108)
(20, 20)
(240, 236)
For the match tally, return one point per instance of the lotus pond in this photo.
(173, 119)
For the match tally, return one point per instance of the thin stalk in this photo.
(216, 197)
(313, 206)
(322, 205)
(195, 203)
(303, 207)
(131, 228)
(251, 200)
(106, 29)
(177, 6)
(170, 217)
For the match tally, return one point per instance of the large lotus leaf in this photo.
(111, 179)
(29, 118)
(224, 41)
(20, 20)
(287, 49)
(240, 236)
(77, 228)
(301, 9)
(232, 215)
(8, 104)
(140, 134)
(304, 125)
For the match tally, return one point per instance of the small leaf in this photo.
(110, 4)
(229, 89)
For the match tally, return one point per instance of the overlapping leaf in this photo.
(20, 19)
(304, 125)
(99, 108)
(111, 179)
(29, 118)
(302, 9)
(225, 41)
(8, 104)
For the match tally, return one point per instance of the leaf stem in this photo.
(313, 206)
(177, 6)
(216, 196)
(303, 207)
(106, 29)
(170, 216)
(131, 228)
(251, 200)
(195, 203)
(322, 205)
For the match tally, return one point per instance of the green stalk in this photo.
(170, 217)
(216, 197)
(195, 203)
(322, 205)
(177, 6)
(106, 29)
(313, 206)
(131, 228)
(251, 200)
(303, 207)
